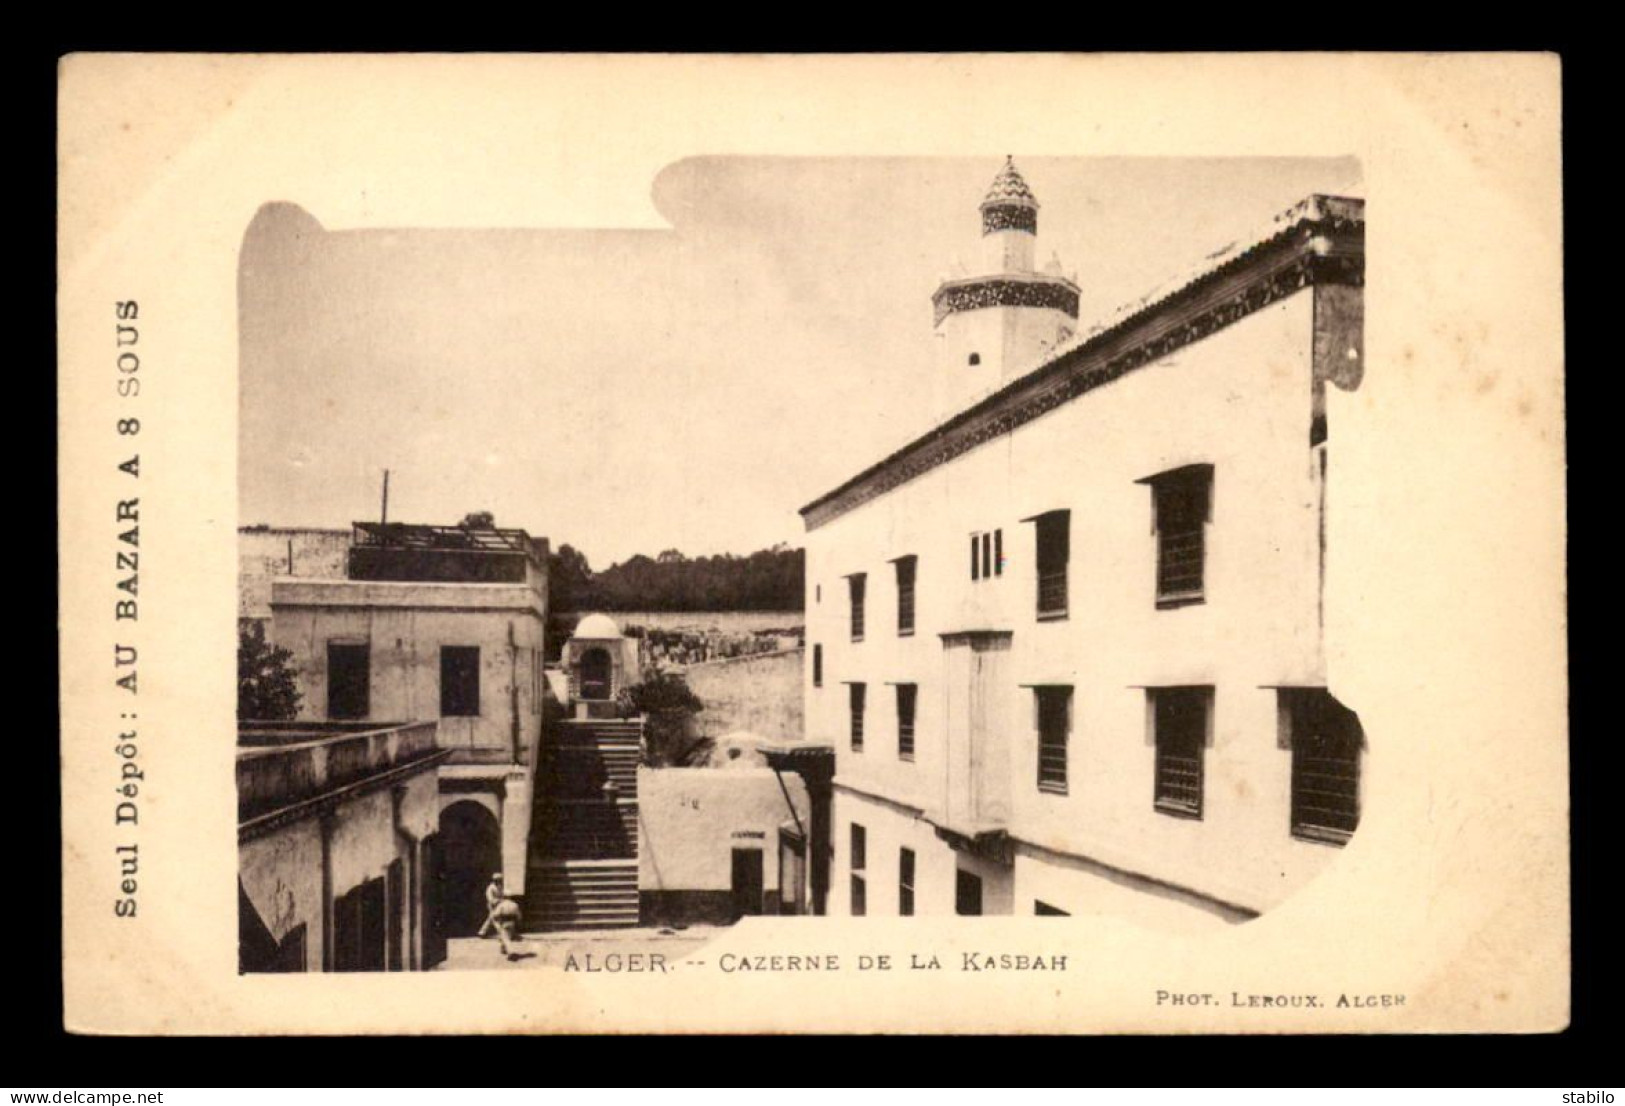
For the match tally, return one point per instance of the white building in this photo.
(1068, 643)
(434, 623)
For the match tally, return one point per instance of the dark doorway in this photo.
(349, 680)
(967, 893)
(470, 852)
(359, 929)
(595, 674)
(434, 926)
(747, 882)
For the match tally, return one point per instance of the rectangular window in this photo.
(860, 849)
(1054, 708)
(967, 893)
(857, 694)
(1181, 506)
(855, 587)
(1180, 721)
(907, 695)
(986, 554)
(905, 596)
(1053, 532)
(1325, 739)
(349, 680)
(459, 680)
(905, 882)
(818, 666)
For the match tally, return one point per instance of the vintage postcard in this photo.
(888, 544)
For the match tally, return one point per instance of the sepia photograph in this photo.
(787, 689)
(701, 555)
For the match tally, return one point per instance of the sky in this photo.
(632, 391)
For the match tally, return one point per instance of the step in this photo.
(544, 881)
(593, 910)
(565, 894)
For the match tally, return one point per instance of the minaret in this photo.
(998, 326)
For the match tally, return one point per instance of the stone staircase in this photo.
(583, 865)
(582, 894)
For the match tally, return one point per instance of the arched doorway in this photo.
(470, 850)
(595, 674)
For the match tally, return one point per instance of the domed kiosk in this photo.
(601, 661)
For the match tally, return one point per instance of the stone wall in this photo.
(760, 694)
(265, 552)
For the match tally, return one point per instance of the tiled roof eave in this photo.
(1326, 243)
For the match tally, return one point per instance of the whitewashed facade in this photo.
(1077, 706)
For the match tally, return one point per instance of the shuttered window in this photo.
(1053, 706)
(905, 595)
(1180, 718)
(1181, 507)
(1053, 535)
(857, 694)
(1325, 739)
(907, 698)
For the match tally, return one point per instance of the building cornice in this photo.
(1322, 241)
(1004, 290)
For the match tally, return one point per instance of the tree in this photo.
(266, 688)
(669, 706)
(569, 580)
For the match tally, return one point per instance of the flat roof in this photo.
(1320, 239)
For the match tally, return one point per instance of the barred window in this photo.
(1180, 720)
(1054, 709)
(856, 693)
(855, 589)
(905, 882)
(1053, 534)
(1181, 508)
(907, 696)
(905, 595)
(1325, 739)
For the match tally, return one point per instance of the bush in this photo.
(669, 706)
(266, 689)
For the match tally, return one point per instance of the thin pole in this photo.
(383, 514)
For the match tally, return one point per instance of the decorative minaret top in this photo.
(997, 324)
(1009, 203)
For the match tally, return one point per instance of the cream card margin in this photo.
(1450, 640)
